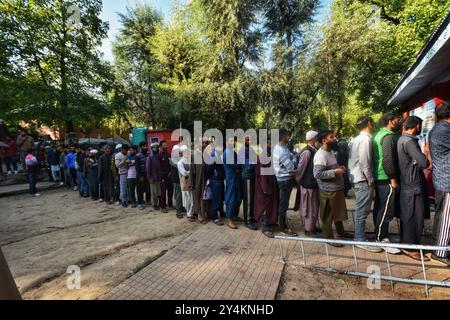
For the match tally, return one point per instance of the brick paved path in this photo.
(214, 263)
(219, 263)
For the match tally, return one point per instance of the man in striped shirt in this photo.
(440, 154)
(284, 164)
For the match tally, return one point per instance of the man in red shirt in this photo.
(11, 155)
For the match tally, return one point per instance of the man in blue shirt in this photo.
(233, 183)
(70, 163)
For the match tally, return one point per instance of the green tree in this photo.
(137, 69)
(57, 58)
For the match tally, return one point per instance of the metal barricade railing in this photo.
(379, 245)
(352, 214)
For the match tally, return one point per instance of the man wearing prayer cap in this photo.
(307, 184)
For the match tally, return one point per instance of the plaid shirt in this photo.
(440, 154)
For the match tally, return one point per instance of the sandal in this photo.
(415, 255)
(269, 234)
(289, 233)
(218, 222)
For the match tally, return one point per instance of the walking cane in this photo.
(8, 288)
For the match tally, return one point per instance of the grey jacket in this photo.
(325, 165)
(361, 159)
(411, 161)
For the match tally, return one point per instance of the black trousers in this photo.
(248, 195)
(384, 209)
(284, 195)
(412, 214)
(107, 186)
(143, 188)
(115, 190)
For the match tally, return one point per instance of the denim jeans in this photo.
(123, 188)
(32, 180)
(284, 195)
(364, 195)
(83, 184)
(55, 173)
(217, 188)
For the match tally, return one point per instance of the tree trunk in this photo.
(290, 53)
(330, 116)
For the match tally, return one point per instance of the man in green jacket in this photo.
(386, 177)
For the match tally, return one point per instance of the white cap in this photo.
(93, 151)
(311, 135)
(118, 146)
(176, 148)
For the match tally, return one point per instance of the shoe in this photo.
(124, 204)
(75, 189)
(251, 226)
(370, 249)
(164, 210)
(9, 173)
(36, 195)
(336, 245)
(16, 172)
(231, 224)
(118, 203)
(439, 260)
(140, 207)
(391, 250)
(100, 200)
(346, 235)
(134, 206)
(61, 184)
(156, 208)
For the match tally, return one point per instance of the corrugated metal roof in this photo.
(433, 59)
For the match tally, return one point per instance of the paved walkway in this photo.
(217, 263)
(213, 263)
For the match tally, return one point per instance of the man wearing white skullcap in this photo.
(175, 176)
(307, 184)
(186, 182)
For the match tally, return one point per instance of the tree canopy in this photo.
(236, 63)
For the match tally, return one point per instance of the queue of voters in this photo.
(386, 169)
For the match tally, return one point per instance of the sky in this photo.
(112, 8)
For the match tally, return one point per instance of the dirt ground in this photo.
(300, 283)
(42, 237)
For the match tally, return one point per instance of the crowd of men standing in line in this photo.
(387, 169)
